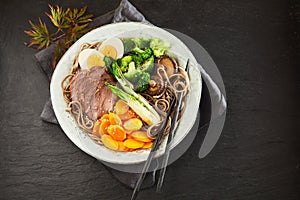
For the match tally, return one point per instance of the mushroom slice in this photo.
(169, 63)
(157, 86)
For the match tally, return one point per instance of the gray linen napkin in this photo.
(125, 12)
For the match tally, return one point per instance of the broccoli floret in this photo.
(141, 55)
(138, 60)
(137, 51)
(123, 63)
(145, 54)
(143, 82)
(158, 52)
(158, 47)
(147, 66)
(141, 43)
(136, 41)
(144, 43)
(129, 44)
(143, 58)
(133, 74)
(124, 68)
(138, 77)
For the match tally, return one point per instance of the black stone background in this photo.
(254, 43)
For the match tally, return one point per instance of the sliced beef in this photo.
(87, 87)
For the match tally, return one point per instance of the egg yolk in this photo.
(95, 60)
(109, 50)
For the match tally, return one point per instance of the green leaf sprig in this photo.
(70, 26)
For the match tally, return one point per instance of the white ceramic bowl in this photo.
(123, 30)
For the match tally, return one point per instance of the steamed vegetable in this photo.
(134, 103)
(147, 53)
(139, 77)
(143, 82)
(143, 43)
(115, 130)
(138, 60)
(108, 63)
(133, 144)
(124, 62)
(140, 56)
(131, 43)
(143, 54)
(128, 87)
(159, 47)
(116, 72)
(132, 74)
(148, 65)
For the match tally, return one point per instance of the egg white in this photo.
(84, 55)
(116, 43)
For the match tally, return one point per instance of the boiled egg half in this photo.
(112, 47)
(89, 58)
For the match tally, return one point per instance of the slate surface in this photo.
(255, 44)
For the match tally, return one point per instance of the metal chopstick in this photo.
(170, 138)
(152, 152)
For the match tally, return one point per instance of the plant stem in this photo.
(54, 40)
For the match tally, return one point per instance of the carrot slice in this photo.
(133, 144)
(122, 147)
(103, 127)
(133, 124)
(125, 116)
(96, 126)
(109, 142)
(128, 115)
(114, 119)
(121, 107)
(104, 117)
(116, 132)
(129, 136)
(141, 136)
(147, 145)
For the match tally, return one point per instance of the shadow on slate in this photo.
(205, 118)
